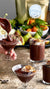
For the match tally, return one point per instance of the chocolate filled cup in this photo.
(37, 50)
(46, 73)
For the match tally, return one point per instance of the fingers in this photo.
(13, 55)
(6, 52)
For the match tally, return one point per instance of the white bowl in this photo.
(45, 32)
(33, 33)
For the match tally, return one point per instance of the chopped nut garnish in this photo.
(28, 68)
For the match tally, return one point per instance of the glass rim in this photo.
(18, 66)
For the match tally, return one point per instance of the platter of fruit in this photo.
(32, 28)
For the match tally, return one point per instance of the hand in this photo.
(12, 53)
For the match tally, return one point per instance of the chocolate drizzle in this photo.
(5, 24)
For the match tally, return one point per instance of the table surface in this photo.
(23, 57)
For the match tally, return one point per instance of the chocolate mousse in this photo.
(5, 24)
(25, 73)
(9, 42)
(46, 73)
(37, 49)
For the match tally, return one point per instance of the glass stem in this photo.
(24, 85)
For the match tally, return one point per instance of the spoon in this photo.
(3, 81)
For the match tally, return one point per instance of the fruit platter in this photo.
(35, 25)
(32, 28)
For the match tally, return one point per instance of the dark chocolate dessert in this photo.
(46, 72)
(37, 49)
(5, 24)
(25, 73)
(9, 42)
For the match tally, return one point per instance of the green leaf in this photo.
(12, 22)
(40, 22)
(40, 31)
(24, 27)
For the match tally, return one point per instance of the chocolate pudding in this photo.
(46, 73)
(37, 50)
(9, 42)
(25, 73)
(5, 24)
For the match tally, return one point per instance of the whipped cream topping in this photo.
(28, 68)
(3, 33)
(36, 42)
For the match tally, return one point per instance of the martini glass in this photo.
(23, 76)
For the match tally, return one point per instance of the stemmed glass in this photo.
(23, 76)
(7, 43)
(8, 46)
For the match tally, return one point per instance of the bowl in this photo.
(45, 32)
(33, 33)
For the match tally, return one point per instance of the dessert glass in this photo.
(23, 76)
(46, 73)
(8, 46)
(8, 43)
(37, 50)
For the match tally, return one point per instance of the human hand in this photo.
(12, 53)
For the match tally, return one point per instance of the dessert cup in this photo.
(37, 50)
(23, 76)
(8, 46)
(46, 73)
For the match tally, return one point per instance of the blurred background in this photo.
(8, 6)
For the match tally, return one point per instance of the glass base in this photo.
(9, 58)
(46, 82)
(36, 61)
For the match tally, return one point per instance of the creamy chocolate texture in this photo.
(46, 72)
(8, 43)
(5, 24)
(37, 49)
(24, 74)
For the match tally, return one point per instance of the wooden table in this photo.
(23, 56)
